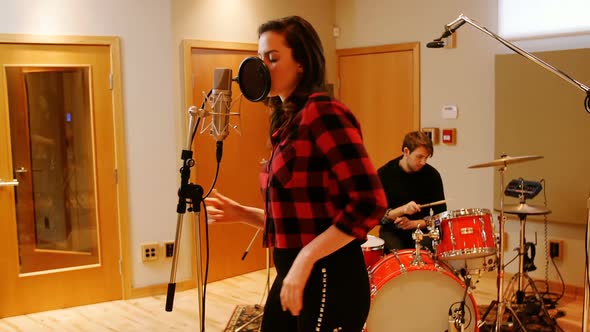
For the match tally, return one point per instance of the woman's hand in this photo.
(222, 209)
(294, 284)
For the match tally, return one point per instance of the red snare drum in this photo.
(372, 249)
(465, 233)
(410, 298)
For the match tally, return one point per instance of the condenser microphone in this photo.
(221, 105)
(449, 30)
(436, 44)
(451, 322)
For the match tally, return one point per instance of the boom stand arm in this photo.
(462, 19)
(192, 195)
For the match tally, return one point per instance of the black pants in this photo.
(336, 296)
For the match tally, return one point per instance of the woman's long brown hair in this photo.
(307, 51)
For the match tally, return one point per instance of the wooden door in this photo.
(381, 85)
(243, 153)
(59, 232)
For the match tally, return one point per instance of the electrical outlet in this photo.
(149, 252)
(556, 249)
(169, 249)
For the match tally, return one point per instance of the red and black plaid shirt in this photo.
(319, 174)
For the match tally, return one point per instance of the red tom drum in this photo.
(465, 233)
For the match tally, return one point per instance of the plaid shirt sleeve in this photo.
(337, 134)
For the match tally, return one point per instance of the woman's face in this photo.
(284, 71)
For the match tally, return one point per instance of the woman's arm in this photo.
(223, 209)
(324, 244)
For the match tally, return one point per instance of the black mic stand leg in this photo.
(192, 195)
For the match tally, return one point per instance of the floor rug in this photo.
(245, 318)
(532, 322)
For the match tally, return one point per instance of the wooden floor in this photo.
(148, 314)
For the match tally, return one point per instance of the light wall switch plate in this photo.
(449, 112)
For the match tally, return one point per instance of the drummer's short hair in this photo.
(416, 139)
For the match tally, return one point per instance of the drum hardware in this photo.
(503, 162)
(522, 210)
(535, 306)
(529, 261)
(418, 236)
(457, 317)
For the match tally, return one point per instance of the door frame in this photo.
(113, 43)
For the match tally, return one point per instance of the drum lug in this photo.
(402, 267)
(483, 229)
(373, 290)
(452, 235)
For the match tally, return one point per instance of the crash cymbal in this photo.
(524, 208)
(505, 160)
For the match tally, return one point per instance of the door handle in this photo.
(21, 170)
(12, 183)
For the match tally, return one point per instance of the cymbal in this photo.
(524, 208)
(505, 160)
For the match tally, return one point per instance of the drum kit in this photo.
(419, 290)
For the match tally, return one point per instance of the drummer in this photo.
(409, 182)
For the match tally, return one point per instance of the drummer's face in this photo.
(417, 158)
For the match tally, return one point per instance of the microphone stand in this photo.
(460, 319)
(462, 307)
(449, 29)
(462, 19)
(250, 245)
(192, 195)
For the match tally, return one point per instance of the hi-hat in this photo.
(524, 208)
(505, 160)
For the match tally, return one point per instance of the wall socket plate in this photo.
(556, 249)
(169, 249)
(149, 252)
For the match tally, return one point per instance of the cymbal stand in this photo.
(519, 279)
(499, 302)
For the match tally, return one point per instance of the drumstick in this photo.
(432, 204)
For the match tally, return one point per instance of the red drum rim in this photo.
(460, 213)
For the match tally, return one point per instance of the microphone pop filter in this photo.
(254, 79)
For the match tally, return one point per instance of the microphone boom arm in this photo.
(462, 19)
